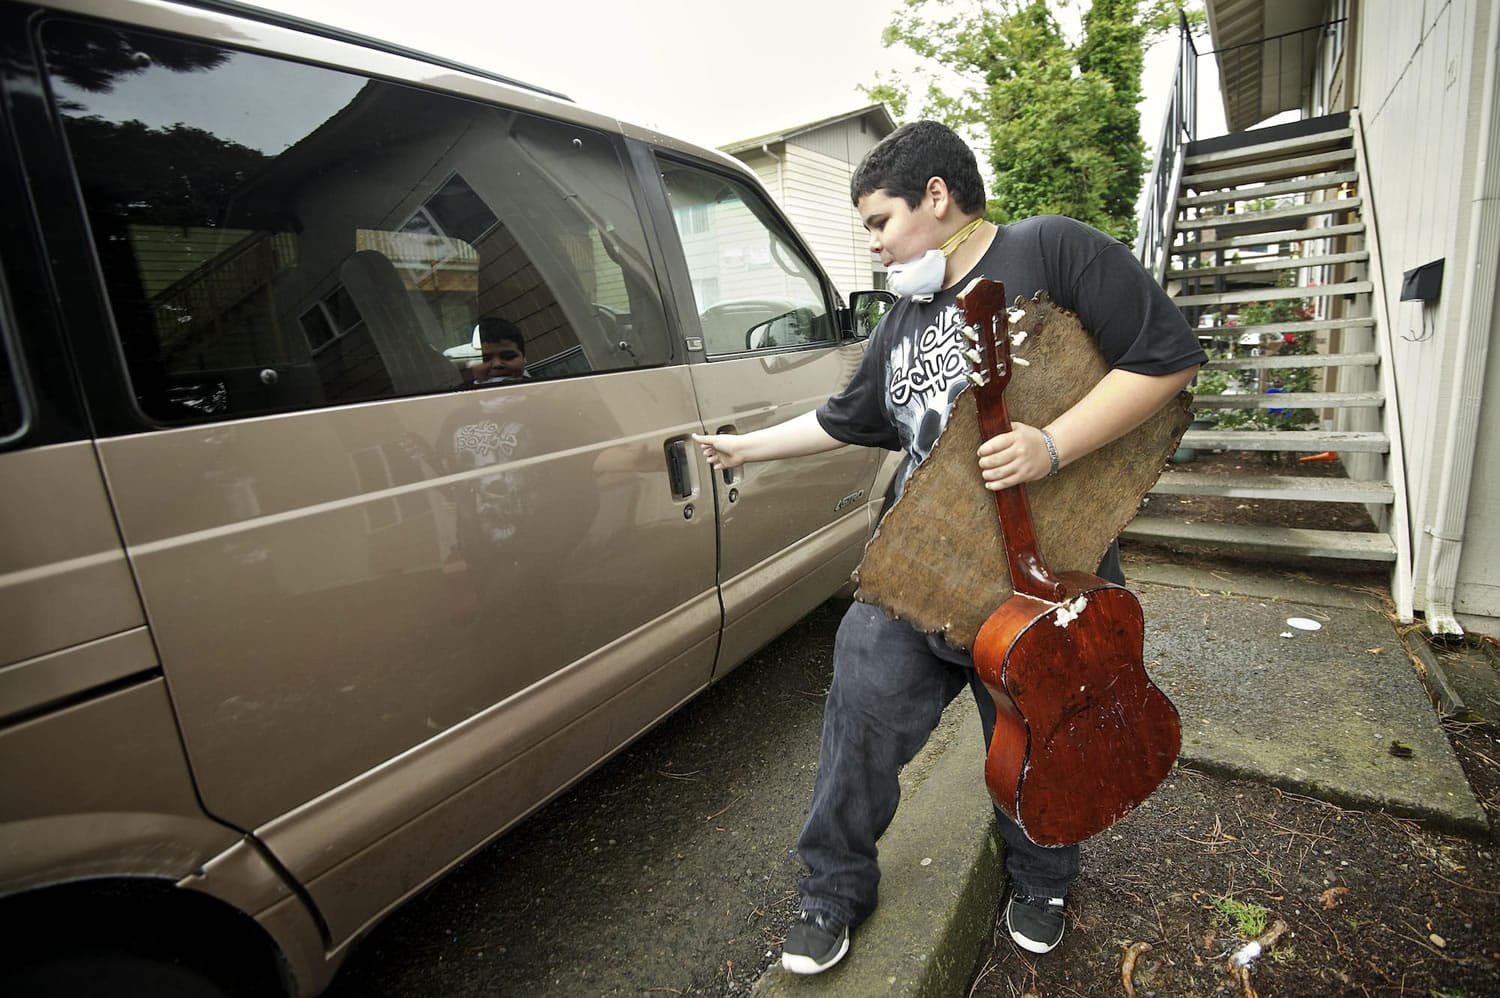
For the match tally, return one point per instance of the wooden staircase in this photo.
(1266, 218)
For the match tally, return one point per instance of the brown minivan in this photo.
(300, 603)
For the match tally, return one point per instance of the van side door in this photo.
(399, 604)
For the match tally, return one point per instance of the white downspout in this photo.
(780, 175)
(1476, 314)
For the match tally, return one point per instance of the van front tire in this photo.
(110, 974)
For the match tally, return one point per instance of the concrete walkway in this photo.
(1338, 713)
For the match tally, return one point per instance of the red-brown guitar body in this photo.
(1082, 735)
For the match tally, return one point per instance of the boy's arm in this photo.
(796, 437)
(1120, 402)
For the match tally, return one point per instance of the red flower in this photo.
(1289, 337)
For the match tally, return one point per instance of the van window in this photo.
(12, 413)
(278, 236)
(754, 289)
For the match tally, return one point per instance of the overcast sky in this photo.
(709, 72)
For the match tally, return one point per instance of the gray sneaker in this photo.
(1035, 923)
(814, 944)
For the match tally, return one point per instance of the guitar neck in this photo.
(988, 328)
(1028, 573)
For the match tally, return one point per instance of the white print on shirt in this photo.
(939, 360)
(927, 370)
(486, 442)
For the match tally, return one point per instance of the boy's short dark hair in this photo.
(906, 159)
(493, 329)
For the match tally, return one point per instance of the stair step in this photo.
(1275, 169)
(1292, 400)
(1270, 265)
(1275, 362)
(1293, 487)
(1353, 545)
(1275, 294)
(1320, 182)
(1296, 326)
(1266, 238)
(1278, 149)
(1299, 441)
(1270, 216)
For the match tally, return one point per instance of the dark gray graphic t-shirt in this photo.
(914, 368)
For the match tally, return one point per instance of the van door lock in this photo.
(679, 469)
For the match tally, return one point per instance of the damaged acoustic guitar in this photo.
(1082, 734)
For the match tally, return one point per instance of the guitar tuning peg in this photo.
(1015, 315)
(971, 334)
(974, 357)
(979, 378)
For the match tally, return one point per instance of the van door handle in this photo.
(679, 468)
(731, 475)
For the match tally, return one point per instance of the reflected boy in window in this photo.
(502, 352)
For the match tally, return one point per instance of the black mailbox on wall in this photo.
(1423, 283)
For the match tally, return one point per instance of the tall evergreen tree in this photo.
(1113, 48)
(1059, 124)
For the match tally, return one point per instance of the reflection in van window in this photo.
(754, 289)
(12, 414)
(278, 236)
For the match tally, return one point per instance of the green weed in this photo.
(1248, 919)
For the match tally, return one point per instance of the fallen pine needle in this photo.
(1127, 965)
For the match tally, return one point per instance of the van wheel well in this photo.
(139, 936)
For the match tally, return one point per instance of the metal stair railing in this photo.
(1179, 127)
(1285, 171)
(1319, 241)
(1400, 526)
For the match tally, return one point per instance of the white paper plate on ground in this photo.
(1304, 624)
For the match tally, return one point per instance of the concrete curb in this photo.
(1444, 697)
(941, 878)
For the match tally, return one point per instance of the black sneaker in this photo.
(814, 944)
(1035, 923)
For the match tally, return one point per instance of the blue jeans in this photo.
(890, 686)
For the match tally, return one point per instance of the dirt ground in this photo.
(1372, 905)
(1366, 904)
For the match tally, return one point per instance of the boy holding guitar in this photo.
(921, 198)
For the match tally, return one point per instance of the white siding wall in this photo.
(809, 175)
(768, 169)
(813, 190)
(1478, 598)
(1421, 67)
(817, 199)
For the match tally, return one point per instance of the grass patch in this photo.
(1248, 919)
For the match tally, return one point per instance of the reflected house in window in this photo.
(349, 258)
(421, 268)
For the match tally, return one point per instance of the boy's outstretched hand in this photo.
(721, 450)
(1014, 458)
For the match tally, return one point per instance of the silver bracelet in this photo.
(1051, 452)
